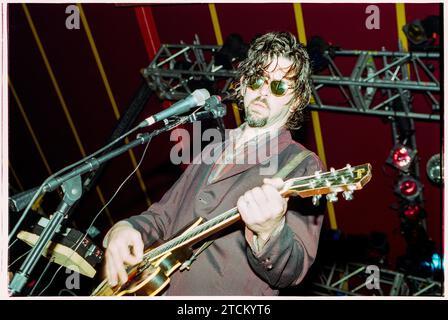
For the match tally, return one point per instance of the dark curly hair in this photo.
(261, 52)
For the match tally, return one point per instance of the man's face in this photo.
(263, 108)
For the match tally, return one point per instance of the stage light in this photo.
(433, 169)
(411, 212)
(401, 157)
(316, 49)
(232, 51)
(422, 34)
(436, 262)
(432, 266)
(415, 32)
(408, 187)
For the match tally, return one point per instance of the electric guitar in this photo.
(151, 276)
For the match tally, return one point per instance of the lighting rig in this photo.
(379, 84)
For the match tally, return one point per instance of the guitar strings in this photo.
(9, 247)
(66, 290)
(18, 258)
(99, 212)
(175, 242)
(54, 276)
(41, 276)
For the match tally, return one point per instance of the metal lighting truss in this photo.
(352, 279)
(375, 84)
(378, 83)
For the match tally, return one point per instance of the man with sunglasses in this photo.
(276, 240)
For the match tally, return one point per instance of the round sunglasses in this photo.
(278, 87)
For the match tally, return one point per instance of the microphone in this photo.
(19, 201)
(197, 98)
(199, 116)
(213, 109)
(214, 105)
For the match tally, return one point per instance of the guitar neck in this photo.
(196, 234)
(344, 180)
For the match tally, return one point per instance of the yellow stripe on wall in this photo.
(30, 128)
(401, 22)
(314, 115)
(61, 98)
(220, 42)
(215, 22)
(15, 177)
(299, 23)
(53, 79)
(400, 11)
(111, 97)
(236, 113)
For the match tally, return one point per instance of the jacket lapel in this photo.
(277, 145)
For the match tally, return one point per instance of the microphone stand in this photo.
(72, 192)
(72, 188)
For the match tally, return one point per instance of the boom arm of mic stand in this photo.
(72, 187)
(72, 193)
(94, 163)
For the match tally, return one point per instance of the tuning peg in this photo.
(349, 169)
(348, 195)
(333, 171)
(316, 199)
(317, 174)
(332, 197)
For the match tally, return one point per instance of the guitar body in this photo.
(151, 276)
(147, 279)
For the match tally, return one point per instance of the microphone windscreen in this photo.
(19, 201)
(200, 95)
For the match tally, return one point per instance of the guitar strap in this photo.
(291, 165)
(282, 173)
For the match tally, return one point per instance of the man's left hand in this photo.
(262, 208)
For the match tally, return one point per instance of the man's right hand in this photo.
(124, 247)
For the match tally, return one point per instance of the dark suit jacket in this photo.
(229, 266)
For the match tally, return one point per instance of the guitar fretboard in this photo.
(190, 236)
(321, 183)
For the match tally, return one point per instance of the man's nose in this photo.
(264, 90)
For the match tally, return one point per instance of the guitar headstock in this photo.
(345, 180)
